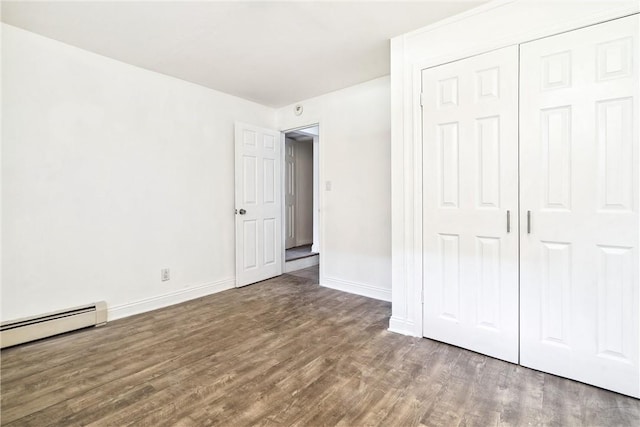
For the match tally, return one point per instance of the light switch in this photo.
(327, 185)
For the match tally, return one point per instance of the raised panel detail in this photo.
(615, 301)
(614, 59)
(488, 291)
(448, 93)
(269, 229)
(615, 154)
(250, 247)
(556, 292)
(249, 166)
(449, 248)
(488, 142)
(269, 142)
(249, 138)
(449, 164)
(291, 223)
(269, 180)
(556, 71)
(291, 180)
(488, 84)
(556, 157)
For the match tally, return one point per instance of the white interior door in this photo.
(579, 181)
(258, 204)
(470, 148)
(290, 193)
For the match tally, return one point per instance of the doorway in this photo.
(300, 202)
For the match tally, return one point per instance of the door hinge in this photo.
(421, 99)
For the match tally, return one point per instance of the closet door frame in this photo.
(445, 41)
(410, 294)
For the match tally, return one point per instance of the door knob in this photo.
(242, 212)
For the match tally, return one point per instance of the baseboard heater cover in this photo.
(19, 331)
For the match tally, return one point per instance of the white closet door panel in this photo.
(470, 160)
(579, 178)
(258, 210)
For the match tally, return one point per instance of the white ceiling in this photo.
(274, 53)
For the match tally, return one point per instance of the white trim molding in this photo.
(494, 25)
(357, 288)
(404, 327)
(160, 301)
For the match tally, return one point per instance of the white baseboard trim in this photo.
(402, 326)
(299, 264)
(160, 301)
(357, 288)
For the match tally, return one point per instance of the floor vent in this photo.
(34, 328)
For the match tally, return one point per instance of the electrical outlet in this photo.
(164, 274)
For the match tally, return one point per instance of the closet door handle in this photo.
(528, 222)
(508, 221)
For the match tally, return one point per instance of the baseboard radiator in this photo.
(34, 328)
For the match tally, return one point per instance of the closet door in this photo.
(470, 147)
(579, 205)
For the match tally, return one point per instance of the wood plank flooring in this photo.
(282, 352)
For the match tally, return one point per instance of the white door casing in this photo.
(470, 185)
(579, 180)
(290, 193)
(258, 198)
(315, 247)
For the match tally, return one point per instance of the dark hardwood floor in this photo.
(282, 352)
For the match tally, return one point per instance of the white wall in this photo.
(304, 192)
(355, 220)
(110, 173)
(491, 26)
